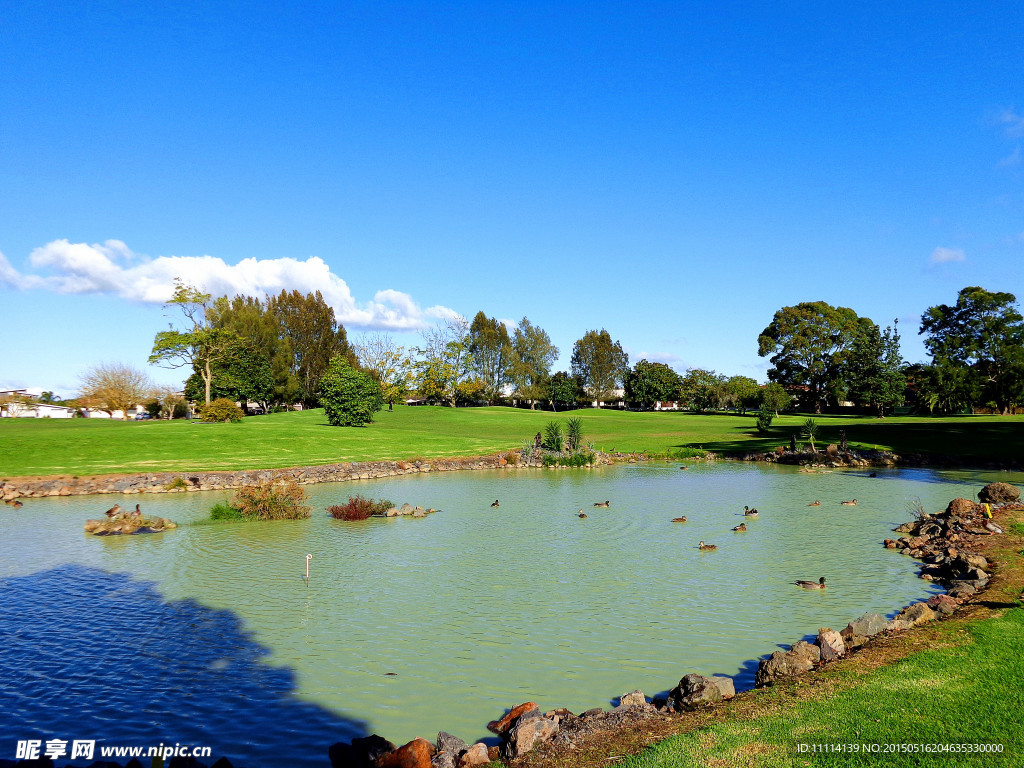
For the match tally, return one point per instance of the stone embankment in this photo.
(183, 482)
(832, 456)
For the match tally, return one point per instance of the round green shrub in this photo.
(221, 409)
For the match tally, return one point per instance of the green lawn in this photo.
(91, 447)
(967, 693)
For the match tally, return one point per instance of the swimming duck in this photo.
(582, 515)
(707, 547)
(679, 519)
(741, 527)
(852, 503)
(684, 467)
(602, 503)
(15, 503)
(748, 511)
(113, 510)
(814, 504)
(873, 474)
(819, 584)
(495, 504)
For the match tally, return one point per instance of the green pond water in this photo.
(411, 626)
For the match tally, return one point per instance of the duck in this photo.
(582, 515)
(748, 512)
(873, 474)
(707, 547)
(740, 528)
(852, 503)
(15, 503)
(684, 467)
(679, 519)
(137, 512)
(819, 584)
(602, 503)
(495, 504)
(113, 510)
(814, 504)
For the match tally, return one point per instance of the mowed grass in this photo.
(100, 446)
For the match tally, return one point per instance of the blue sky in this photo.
(672, 172)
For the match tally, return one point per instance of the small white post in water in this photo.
(308, 558)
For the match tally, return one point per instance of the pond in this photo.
(210, 635)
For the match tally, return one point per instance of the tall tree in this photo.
(243, 375)
(386, 361)
(565, 390)
(775, 397)
(875, 369)
(444, 362)
(700, 389)
(200, 346)
(315, 336)
(116, 387)
(491, 352)
(985, 332)
(648, 383)
(600, 363)
(808, 344)
(533, 354)
(741, 392)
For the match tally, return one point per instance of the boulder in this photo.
(361, 753)
(831, 644)
(392, 512)
(443, 760)
(998, 493)
(448, 743)
(942, 604)
(694, 692)
(632, 699)
(415, 754)
(475, 755)
(868, 625)
(960, 508)
(799, 659)
(962, 591)
(502, 726)
(726, 686)
(916, 614)
(525, 735)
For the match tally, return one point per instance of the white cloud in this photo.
(1011, 160)
(945, 255)
(112, 268)
(1012, 122)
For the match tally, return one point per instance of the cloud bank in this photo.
(112, 268)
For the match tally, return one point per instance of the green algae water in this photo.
(411, 626)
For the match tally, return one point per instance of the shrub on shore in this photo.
(359, 507)
(266, 500)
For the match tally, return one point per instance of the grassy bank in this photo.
(92, 447)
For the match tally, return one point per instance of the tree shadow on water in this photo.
(88, 655)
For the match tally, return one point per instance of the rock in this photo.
(916, 614)
(998, 493)
(392, 512)
(726, 686)
(475, 755)
(525, 735)
(632, 699)
(943, 604)
(93, 525)
(503, 725)
(961, 591)
(831, 644)
(897, 625)
(415, 754)
(443, 760)
(868, 625)
(419, 512)
(960, 508)
(448, 743)
(799, 659)
(406, 509)
(694, 692)
(361, 753)
(905, 527)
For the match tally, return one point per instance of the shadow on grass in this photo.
(92, 655)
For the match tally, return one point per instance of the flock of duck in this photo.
(741, 528)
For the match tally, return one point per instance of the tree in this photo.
(314, 336)
(740, 392)
(350, 397)
(490, 350)
(200, 346)
(48, 397)
(444, 363)
(172, 404)
(389, 363)
(254, 322)
(810, 431)
(533, 354)
(242, 375)
(648, 383)
(809, 344)
(565, 390)
(775, 397)
(116, 387)
(600, 363)
(985, 332)
(699, 389)
(876, 369)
